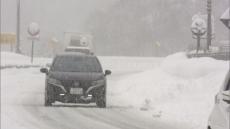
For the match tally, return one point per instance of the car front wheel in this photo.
(101, 99)
(48, 96)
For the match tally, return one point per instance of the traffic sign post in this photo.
(225, 18)
(198, 29)
(33, 31)
(32, 51)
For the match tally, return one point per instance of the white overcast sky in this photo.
(50, 13)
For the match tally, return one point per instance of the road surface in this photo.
(22, 98)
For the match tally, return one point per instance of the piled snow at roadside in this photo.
(180, 89)
(9, 59)
(179, 65)
(118, 64)
(129, 64)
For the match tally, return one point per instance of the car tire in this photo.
(101, 99)
(48, 96)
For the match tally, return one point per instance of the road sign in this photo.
(198, 26)
(33, 29)
(204, 17)
(225, 18)
(7, 38)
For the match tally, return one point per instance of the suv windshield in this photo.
(76, 64)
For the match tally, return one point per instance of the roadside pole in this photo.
(33, 31)
(229, 44)
(18, 27)
(229, 55)
(32, 51)
(209, 24)
(198, 43)
(225, 18)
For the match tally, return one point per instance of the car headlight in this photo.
(54, 81)
(98, 82)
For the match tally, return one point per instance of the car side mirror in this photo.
(217, 101)
(44, 70)
(226, 96)
(107, 72)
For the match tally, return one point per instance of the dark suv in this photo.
(75, 78)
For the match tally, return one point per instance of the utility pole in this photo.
(229, 43)
(209, 23)
(18, 27)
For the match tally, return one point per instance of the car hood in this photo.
(77, 76)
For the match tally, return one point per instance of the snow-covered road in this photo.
(22, 107)
(143, 93)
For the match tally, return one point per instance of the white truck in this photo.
(78, 42)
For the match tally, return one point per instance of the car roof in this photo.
(78, 54)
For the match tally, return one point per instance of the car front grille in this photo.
(70, 84)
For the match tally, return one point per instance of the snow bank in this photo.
(9, 59)
(126, 64)
(180, 66)
(118, 64)
(180, 89)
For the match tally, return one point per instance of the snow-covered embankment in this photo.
(180, 89)
(13, 60)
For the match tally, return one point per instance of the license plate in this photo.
(76, 91)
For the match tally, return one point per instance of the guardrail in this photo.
(20, 66)
(218, 56)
